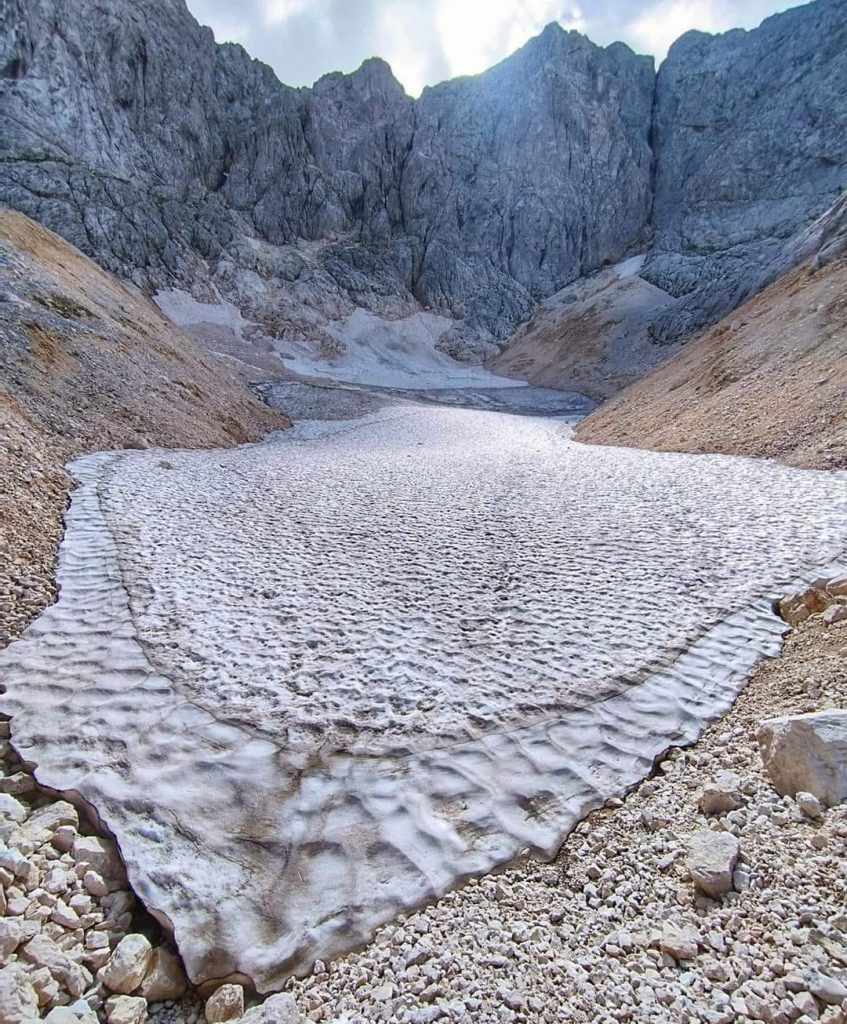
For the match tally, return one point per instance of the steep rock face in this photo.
(533, 173)
(178, 162)
(127, 129)
(750, 134)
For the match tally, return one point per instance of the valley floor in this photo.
(557, 591)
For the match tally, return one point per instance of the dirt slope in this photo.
(770, 380)
(592, 337)
(86, 363)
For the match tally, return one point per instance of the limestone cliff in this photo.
(178, 162)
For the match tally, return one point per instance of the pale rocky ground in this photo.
(66, 914)
(592, 336)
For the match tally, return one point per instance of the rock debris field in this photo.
(311, 683)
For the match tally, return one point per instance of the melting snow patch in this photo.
(395, 354)
(315, 681)
(185, 311)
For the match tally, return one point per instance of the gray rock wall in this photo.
(750, 134)
(179, 162)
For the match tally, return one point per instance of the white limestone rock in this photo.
(92, 853)
(61, 1015)
(12, 809)
(54, 816)
(42, 951)
(828, 989)
(126, 1010)
(278, 1009)
(809, 805)
(18, 1000)
(227, 1003)
(128, 964)
(711, 860)
(17, 784)
(94, 884)
(11, 936)
(807, 753)
(165, 978)
(679, 941)
(720, 795)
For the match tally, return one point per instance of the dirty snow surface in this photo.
(311, 682)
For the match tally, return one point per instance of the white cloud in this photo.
(661, 24)
(426, 41)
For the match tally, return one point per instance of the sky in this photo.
(426, 41)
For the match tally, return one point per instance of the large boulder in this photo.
(807, 754)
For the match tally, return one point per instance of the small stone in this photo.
(12, 809)
(11, 936)
(61, 1015)
(835, 613)
(65, 916)
(17, 784)
(127, 965)
(94, 884)
(809, 805)
(805, 1003)
(84, 1011)
(711, 860)
(278, 1009)
(100, 855)
(829, 990)
(15, 862)
(64, 838)
(54, 816)
(45, 985)
(226, 1003)
(42, 951)
(679, 941)
(721, 795)
(126, 1010)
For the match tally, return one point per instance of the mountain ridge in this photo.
(180, 162)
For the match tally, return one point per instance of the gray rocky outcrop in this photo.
(178, 162)
(750, 136)
(129, 131)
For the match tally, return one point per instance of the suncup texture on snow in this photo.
(314, 682)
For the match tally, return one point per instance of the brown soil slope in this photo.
(592, 337)
(85, 364)
(770, 380)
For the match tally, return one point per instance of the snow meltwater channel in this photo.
(310, 682)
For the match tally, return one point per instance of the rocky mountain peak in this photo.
(176, 161)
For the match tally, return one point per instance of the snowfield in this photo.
(313, 681)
